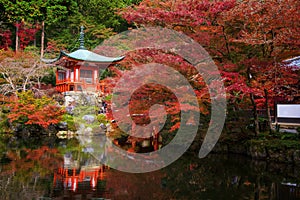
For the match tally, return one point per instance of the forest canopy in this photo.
(248, 40)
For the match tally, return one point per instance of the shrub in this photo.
(29, 110)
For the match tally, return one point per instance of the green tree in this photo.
(14, 12)
(51, 12)
(100, 19)
(35, 12)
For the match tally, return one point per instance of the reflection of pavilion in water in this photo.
(83, 179)
(86, 178)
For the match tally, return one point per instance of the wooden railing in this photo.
(82, 85)
(62, 81)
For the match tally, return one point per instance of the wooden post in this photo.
(73, 179)
(101, 172)
(56, 76)
(66, 173)
(75, 73)
(54, 180)
(155, 139)
(95, 76)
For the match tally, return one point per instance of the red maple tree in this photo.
(29, 110)
(26, 33)
(238, 35)
(6, 41)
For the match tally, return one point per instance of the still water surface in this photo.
(52, 168)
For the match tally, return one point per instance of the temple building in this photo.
(79, 70)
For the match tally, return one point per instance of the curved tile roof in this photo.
(84, 55)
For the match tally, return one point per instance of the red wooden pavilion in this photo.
(79, 70)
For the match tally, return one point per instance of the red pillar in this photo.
(78, 67)
(56, 76)
(101, 172)
(54, 180)
(74, 78)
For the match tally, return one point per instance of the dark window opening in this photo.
(86, 75)
(61, 76)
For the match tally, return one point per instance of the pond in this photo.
(53, 168)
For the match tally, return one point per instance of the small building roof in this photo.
(293, 62)
(82, 54)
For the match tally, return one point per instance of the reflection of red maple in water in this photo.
(135, 186)
(44, 159)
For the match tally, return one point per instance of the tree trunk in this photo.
(255, 115)
(268, 110)
(34, 40)
(17, 38)
(39, 83)
(42, 38)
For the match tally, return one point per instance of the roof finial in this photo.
(81, 38)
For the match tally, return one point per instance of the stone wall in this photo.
(262, 150)
(81, 98)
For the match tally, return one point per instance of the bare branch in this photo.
(20, 72)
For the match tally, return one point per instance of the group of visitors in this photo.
(103, 108)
